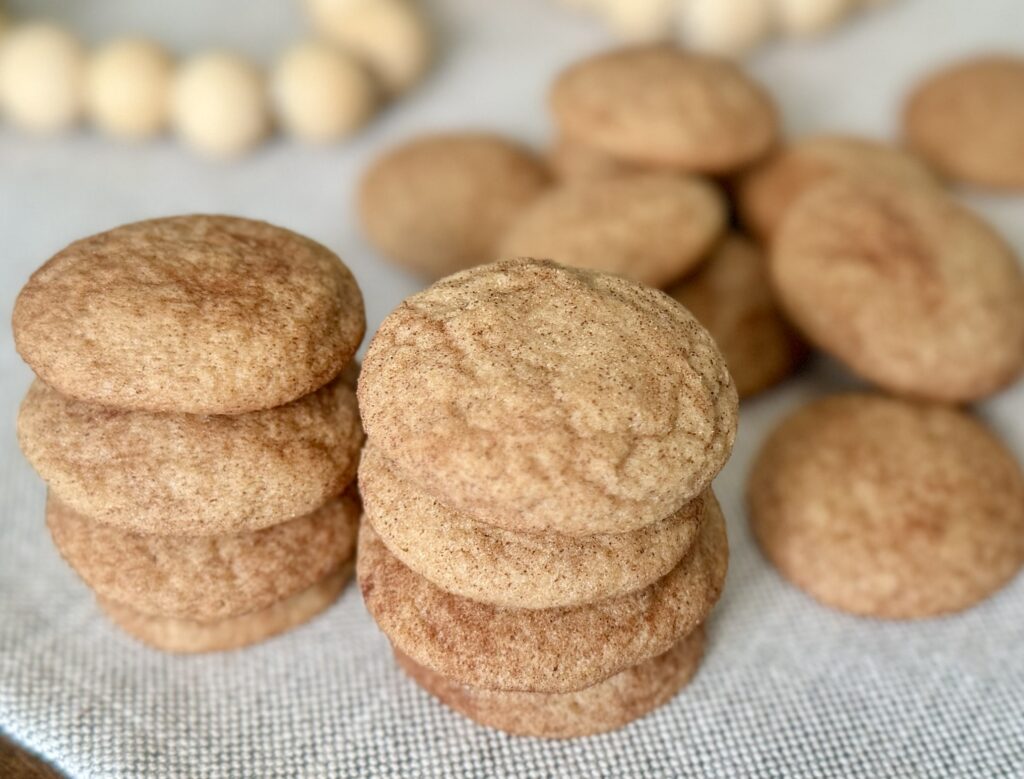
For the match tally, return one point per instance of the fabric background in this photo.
(788, 688)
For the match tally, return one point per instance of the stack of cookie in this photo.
(541, 544)
(196, 422)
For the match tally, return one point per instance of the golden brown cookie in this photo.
(888, 508)
(607, 705)
(207, 579)
(541, 398)
(540, 650)
(659, 105)
(572, 161)
(968, 121)
(441, 203)
(905, 286)
(190, 636)
(517, 570)
(184, 474)
(652, 228)
(731, 296)
(194, 314)
(766, 192)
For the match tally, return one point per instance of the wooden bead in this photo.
(219, 104)
(639, 19)
(41, 74)
(729, 27)
(127, 87)
(389, 35)
(321, 93)
(810, 17)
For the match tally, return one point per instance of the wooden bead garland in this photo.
(218, 103)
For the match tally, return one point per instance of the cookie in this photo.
(731, 296)
(441, 203)
(905, 286)
(766, 192)
(888, 508)
(652, 228)
(541, 398)
(190, 636)
(608, 705)
(540, 650)
(193, 314)
(517, 570)
(572, 161)
(206, 579)
(968, 119)
(659, 105)
(184, 474)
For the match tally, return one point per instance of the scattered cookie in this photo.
(888, 508)
(731, 296)
(968, 121)
(572, 161)
(441, 203)
(652, 228)
(185, 474)
(905, 286)
(540, 650)
(607, 705)
(766, 192)
(542, 398)
(190, 636)
(516, 570)
(659, 105)
(206, 579)
(195, 314)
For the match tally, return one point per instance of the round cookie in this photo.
(765, 193)
(968, 120)
(197, 314)
(189, 636)
(652, 228)
(182, 474)
(441, 203)
(541, 398)
(540, 650)
(571, 161)
(905, 286)
(607, 705)
(731, 296)
(887, 508)
(658, 105)
(517, 570)
(206, 579)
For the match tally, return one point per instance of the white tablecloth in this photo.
(788, 688)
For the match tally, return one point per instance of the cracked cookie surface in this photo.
(537, 397)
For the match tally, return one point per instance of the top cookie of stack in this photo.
(193, 409)
(536, 487)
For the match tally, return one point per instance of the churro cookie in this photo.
(888, 508)
(441, 203)
(968, 121)
(766, 192)
(573, 161)
(211, 578)
(171, 634)
(182, 474)
(661, 106)
(652, 228)
(605, 706)
(907, 287)
(542, 398)
(731, 296)
(540, 650)
(520, 570)
(195, 314)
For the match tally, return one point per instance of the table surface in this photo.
(788, 688)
